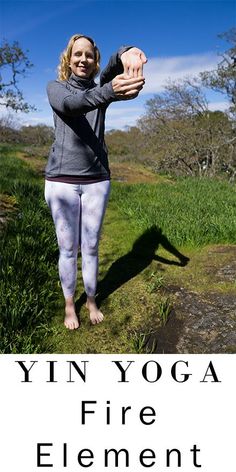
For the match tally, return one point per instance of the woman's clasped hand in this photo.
(126, 87)
(128, 84)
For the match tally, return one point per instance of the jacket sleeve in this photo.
(76, 102)
(114, 66)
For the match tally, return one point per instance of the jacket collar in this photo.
(80, 81)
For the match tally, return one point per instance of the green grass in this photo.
(28, 276)
(12, 170)
(140, 343)
(190, 211)
(164, 308)
(156, 281)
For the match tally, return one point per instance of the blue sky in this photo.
(178, 37)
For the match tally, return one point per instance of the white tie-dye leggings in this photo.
(77, 211)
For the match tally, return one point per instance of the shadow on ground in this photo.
(135, 261)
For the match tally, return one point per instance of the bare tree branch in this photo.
(14, 63)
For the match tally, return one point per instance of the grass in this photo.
(156, 281)
(147, 229)
(190, 212)
(28, 276)
(164, 308)
(141, 343)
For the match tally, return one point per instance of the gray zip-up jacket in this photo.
(79, 106)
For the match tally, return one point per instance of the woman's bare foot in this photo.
(95, 314)
(71, 320)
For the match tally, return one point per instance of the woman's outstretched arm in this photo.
(68, 101)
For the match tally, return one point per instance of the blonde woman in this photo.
(77, 174)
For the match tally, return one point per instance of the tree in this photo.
(9, 132)
(184, 135)
(37, 135)
(125, 145)
(223, 78)
(14, 64)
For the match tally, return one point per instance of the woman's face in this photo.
(82, 61)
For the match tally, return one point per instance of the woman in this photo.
(77, 174)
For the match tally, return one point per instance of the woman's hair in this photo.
(64, 70)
